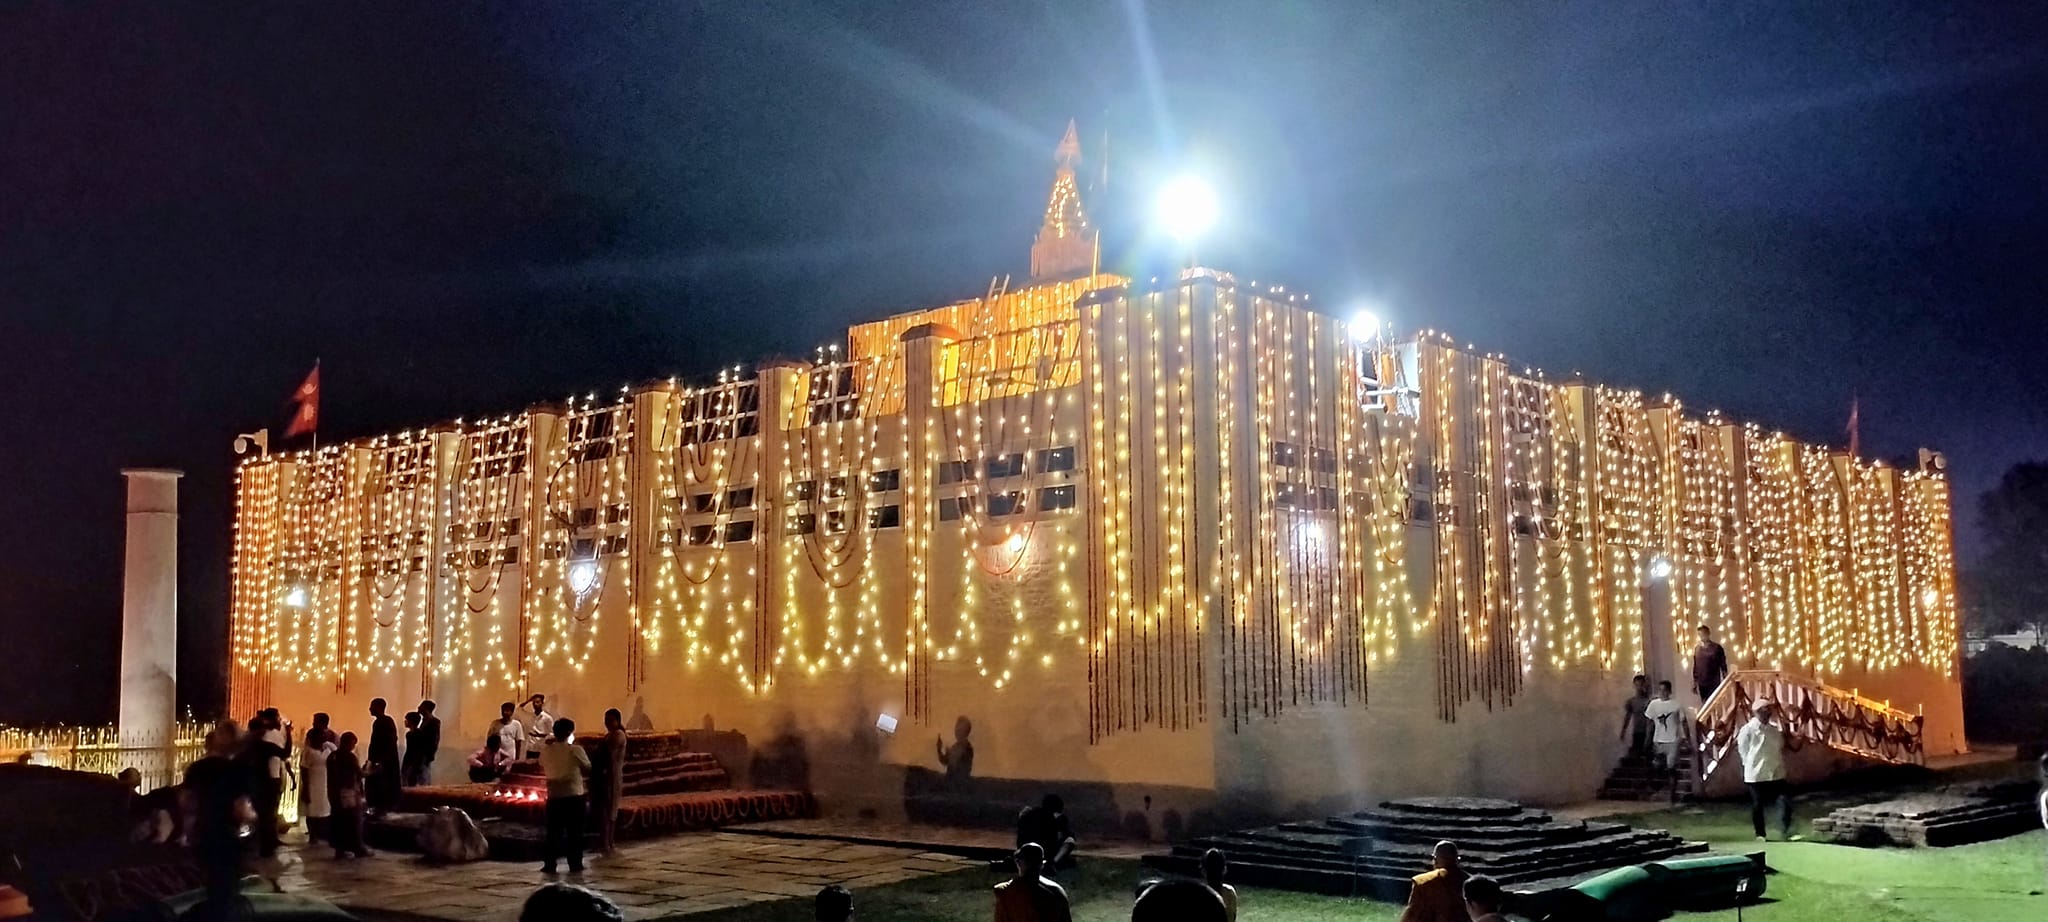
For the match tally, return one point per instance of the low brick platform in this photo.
(1951, 816)
(1376, 852)
(513, 825)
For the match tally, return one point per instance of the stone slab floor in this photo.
(665, 877)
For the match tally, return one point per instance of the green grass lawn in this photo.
(1990, 882)
(1998, 881)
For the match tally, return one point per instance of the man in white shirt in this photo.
(541, 726)
(1665, 715)
(1761, 744)
(511, 735)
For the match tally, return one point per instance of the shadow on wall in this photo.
(729, 747)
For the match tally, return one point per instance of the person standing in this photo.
(1213, 866)
(313, 754)
(409, 771)
(566, 766)
(1029, 897)
(1634, 726)
(430, 742)
(1439, 894)
(1709, 665)
(345, 799)
(1761, 745)
(382, 773)
(264, 753)
(540, 726)
(508, 729)
(221, 789)
(1665, 716)
(608, 774)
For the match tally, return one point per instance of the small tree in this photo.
(2010, 589)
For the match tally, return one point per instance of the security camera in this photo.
(260, 438)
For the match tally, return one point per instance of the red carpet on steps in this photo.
(640, 815)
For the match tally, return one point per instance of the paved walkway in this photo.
(649, 880)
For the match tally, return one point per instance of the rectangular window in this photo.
(1286, 495)
(1010, 465)
(835, 488)
(1322, 460)
(885, 481)
(955, 471)
(583, 549)
(615, 544)
(700, 535)
(552, 550)
(742, 498)
(508, 528)
(616, 513)
(803, 523)
(1286, 455)
(835, 522)
(1002, 504)
(1326, 498)
(1056, 459)
(886, 517)
(586, 516)
(508, 554)
(1052, 498)
(703, 502)
(478, 559)
(455, 533)
(803, 491)
(739, 531)
(955, 507)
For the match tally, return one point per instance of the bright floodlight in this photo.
(296, 598)
(1660, 567)
(1930, 597)
(1364, 326)
(582, 576)
(1015, 543)
(1187, 207)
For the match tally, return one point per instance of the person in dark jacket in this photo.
(345, 799)
(382, 771)
(430, 741)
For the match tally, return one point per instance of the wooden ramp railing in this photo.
(1811, 712)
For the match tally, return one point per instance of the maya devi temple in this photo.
(1180, 548)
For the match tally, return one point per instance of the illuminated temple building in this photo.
(1186, 542)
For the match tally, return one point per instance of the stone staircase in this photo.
(1956, 815)
(1637, 777)
(1376, 852)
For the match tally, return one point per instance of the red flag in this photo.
(1854, 424)
(306, 418)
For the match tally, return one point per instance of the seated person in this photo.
(1046, 826)
(488, 764)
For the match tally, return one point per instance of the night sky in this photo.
(461, 209)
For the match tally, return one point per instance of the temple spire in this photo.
(1066, 241)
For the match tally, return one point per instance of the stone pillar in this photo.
(149, 610)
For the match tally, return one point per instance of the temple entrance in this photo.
(1660, 644)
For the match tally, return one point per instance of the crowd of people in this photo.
(1656, 727)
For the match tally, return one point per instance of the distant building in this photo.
(2024, 640)
(1185, 541)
